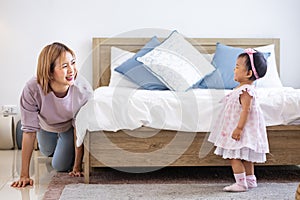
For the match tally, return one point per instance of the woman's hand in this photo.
(22, 182)
(27, 148)
(76, 172)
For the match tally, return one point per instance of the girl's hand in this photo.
(236, 135)
(22, 182)
(76, 172)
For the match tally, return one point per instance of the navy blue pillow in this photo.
(137, 72)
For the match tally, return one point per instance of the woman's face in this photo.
(64, 71)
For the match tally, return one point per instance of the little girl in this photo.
(240, 131)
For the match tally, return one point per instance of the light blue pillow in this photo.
(224, 61)
(137, 72)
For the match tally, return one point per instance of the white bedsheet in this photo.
(117, 108)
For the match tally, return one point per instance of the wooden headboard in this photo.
(102, 46)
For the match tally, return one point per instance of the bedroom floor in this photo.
(40, 171)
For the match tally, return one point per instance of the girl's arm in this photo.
(245, 100)
(27, 148)
(77, 171)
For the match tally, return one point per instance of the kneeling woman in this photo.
(49, 104)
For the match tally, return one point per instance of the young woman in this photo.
(49, 104)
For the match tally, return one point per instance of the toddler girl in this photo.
(240, 131)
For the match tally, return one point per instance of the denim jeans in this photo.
(60, 146)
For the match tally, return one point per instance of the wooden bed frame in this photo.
(283, 140)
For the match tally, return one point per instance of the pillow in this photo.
(271, 79)
(224, 60)
(208, 56)
(177, 63)
(117, 57)
(137, 72)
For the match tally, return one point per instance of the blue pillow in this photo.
(137, 72)
(224, 61)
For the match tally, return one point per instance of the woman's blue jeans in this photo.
(60, 146)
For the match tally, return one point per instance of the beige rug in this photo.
(204, 179)
(175, 192)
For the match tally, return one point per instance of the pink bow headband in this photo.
(250, 52)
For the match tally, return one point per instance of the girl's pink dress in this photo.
(253, 144)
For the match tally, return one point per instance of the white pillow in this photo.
(177, 63)
(208, 56)
(117, 57)
(271, 79)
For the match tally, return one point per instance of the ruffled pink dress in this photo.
(253, 144)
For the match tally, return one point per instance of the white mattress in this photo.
(115, 108)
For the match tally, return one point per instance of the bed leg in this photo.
(86, 158)
(86, 171)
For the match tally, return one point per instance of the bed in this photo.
(147, 144)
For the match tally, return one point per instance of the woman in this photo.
(49, 104)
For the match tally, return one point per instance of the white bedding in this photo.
(115, 108)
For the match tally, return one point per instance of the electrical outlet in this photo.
(9, 110)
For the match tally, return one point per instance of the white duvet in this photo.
(115, 108)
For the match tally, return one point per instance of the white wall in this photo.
(27, 26)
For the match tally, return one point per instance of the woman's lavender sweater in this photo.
(49, 112)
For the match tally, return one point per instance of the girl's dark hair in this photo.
(260, 64)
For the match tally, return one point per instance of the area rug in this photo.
(202, 177)
(174, 192)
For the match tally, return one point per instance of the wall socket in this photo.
(9, 110)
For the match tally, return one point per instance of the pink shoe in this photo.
(251, 181)
(251, 184)
(235, 188)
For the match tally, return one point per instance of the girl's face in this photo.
(241, 73)
(64, 72)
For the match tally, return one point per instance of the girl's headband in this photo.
(250, 52)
